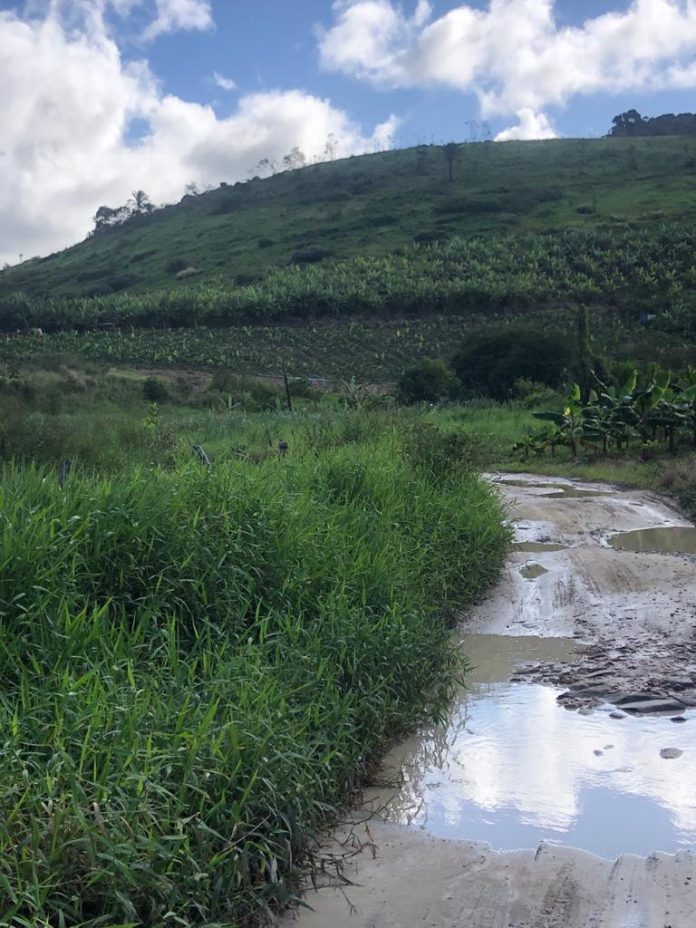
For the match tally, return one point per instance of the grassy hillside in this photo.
(376, 205)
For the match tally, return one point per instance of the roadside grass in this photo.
(199, 667)
(99, 418)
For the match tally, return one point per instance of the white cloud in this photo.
(225, 83)
(530, 125)
(513, 55)
(180, 14)
(67, 103)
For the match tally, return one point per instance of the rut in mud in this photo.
(565, 755)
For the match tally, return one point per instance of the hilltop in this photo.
(375, 205)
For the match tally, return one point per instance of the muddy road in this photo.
(560, 791)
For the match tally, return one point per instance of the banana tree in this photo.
(573, 423)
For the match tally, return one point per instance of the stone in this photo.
(678, 683)
(635, 697)
(652, 706)
(670, 753)
(617, 715)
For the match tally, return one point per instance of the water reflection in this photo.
(670, 540)
(512, 768)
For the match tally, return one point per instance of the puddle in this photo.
(572, 493)
(512, 768)
(530, 547)
(674, 540)
(527, 484)
(560, 490)
(533, 571)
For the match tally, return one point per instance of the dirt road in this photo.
(633, 614)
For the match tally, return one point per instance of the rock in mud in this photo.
(670, 753)
(635, 698)
(652, 706)
(617, 715)
(678, 683)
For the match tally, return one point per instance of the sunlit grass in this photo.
(198, 667)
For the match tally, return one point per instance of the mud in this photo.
(512, 766)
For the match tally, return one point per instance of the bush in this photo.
(310, 255)
(249, 393)
(176, 265)
(489, 363)
(533, 394)
(155, 390)
(428, 381)
(436, 453)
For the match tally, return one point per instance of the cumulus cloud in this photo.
(513, 55)
(530, 125)
(68, 102)
(180, 14)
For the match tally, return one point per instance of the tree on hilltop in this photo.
(450, 152)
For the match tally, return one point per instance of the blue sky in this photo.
(272, 44)
(105, 96)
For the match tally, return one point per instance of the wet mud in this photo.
(559, 791)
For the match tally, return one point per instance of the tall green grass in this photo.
(198, 667)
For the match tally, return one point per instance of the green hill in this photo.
(375, 205)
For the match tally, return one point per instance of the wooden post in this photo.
(287, 391)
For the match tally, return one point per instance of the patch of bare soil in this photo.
(636, 611)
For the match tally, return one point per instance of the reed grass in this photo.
(199, 667)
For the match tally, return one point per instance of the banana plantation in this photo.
(660, 413)
(636, 271)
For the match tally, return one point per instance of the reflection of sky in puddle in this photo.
(513, 768)
(670, 540)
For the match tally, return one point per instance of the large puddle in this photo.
(559, 490)
(670, 540)
(512, 768)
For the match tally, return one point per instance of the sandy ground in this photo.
(635, 614)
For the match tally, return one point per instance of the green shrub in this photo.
(489, 362)
(428, 381)
(155, 390)
(248, 392)
(311, 254)
(176, 265)
(436, 453)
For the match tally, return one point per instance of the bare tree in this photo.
(295, 159)
(450, 152)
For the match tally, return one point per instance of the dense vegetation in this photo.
(372, 206)
(658, 409)
(636, 273)
(631, 123)
(198, 667)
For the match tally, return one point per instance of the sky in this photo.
(99, 98)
